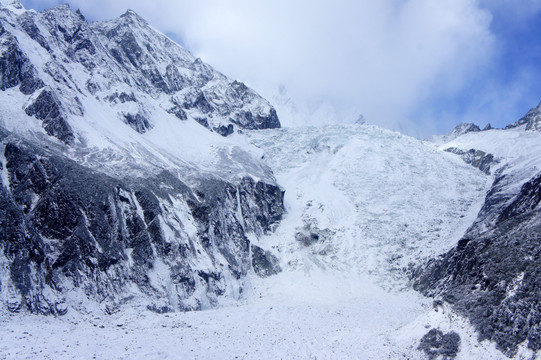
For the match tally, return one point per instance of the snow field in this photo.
(378, 200)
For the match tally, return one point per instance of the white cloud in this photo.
(382, 58)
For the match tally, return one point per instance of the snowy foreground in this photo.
(377, 200)
(362, 323)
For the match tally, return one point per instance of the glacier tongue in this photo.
(365, 200)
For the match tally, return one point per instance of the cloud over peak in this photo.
(394, 61)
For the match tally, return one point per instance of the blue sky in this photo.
(417, 66)
(508, 86)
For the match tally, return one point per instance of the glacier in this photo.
(155, 208)
(341, 294)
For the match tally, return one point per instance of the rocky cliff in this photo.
(492, 275)
(112, 191)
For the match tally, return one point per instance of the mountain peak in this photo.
(460, 129)
(531, 121)
(464, 128)
(12, 5)
(132, 16)
(129, 13)
(127, 53)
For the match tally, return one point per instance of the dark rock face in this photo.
(493, 278)
(202, 121)
(248, 121)
(261, 204)
(28, 23)
(200, 102)
(264, 262)
(465, 128)
(225, 130)
(476, 158)
(122, 97)
(65, 228)
(178, 112)
(527, 200)
(271, 121)
(47, 108)
(436, 344)
(15, 67)
(175, 80)
(498, 198)
(138, 122)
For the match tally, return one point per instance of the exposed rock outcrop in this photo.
(476, 158)
(493, 277)
(66, 229)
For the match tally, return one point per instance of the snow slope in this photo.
(376, 200)
(516, 150)
(517, 159)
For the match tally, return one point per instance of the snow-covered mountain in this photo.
(137, 181)
(530, 121)
(459, 130)
(58, 57)
(365, 209)
(113, 187)
(492, 275)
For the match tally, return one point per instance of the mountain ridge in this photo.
(490, 276)
(111, 187)
(128, 52)
(137, 179)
